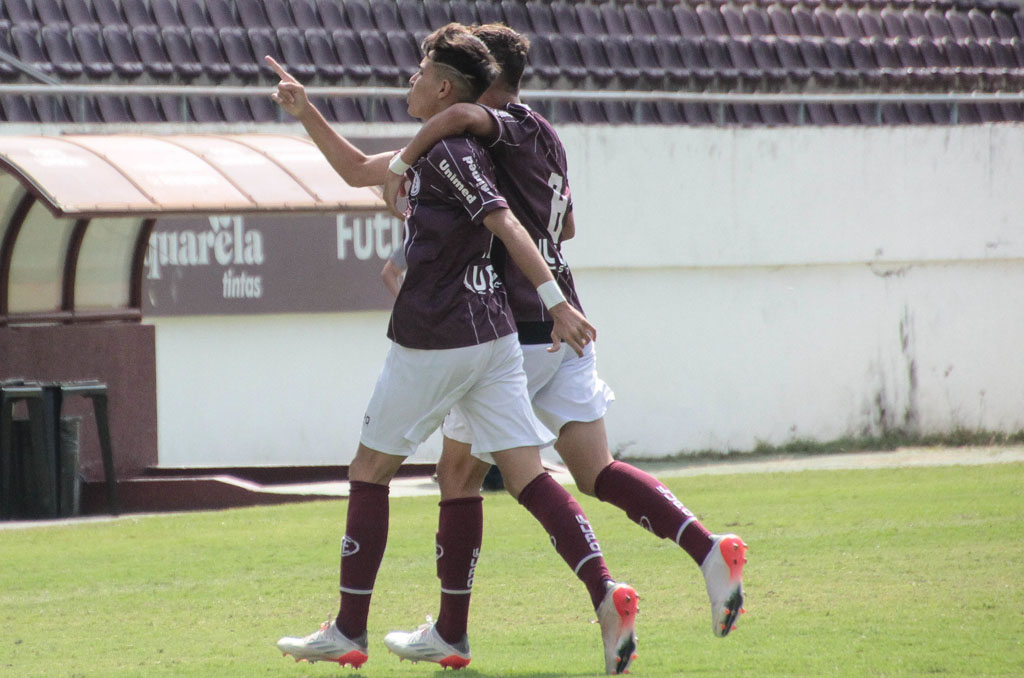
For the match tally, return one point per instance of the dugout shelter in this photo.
(76, 216)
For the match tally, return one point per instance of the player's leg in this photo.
(459, 536)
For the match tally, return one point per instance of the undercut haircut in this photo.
(509, 48)
(465, 57)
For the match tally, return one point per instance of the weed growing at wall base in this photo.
(902, 572)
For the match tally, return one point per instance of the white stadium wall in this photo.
(749, 286)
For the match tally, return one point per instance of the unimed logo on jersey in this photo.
(227, 243)
(457, 184)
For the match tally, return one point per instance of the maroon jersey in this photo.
(530, 166)
(451, 296)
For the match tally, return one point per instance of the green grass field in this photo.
(906, 572)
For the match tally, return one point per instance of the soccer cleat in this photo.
(723, 577)
(425, 644)
(617, 616)
(328, 645)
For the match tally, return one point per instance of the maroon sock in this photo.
(366, 535)
(460, 529)
(649, 503)
(560, 514)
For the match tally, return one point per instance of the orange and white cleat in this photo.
(617, 616)
(723, 577)
(426, 645)
(326, 645)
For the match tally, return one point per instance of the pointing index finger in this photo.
(285, 75)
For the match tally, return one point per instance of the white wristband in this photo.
(397, 165)
(551, 294)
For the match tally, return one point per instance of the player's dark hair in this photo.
(455, 47)
(510, 49)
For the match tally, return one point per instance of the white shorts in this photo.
(416, 389)
(563, 387)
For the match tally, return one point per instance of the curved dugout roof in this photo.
(76, 211)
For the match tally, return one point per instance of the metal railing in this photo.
(717, 100)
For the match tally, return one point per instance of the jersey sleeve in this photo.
(463, 171)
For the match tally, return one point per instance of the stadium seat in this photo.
(642, 53)
(542, 61)
(735, 23)
(620, 58)
(406, 53)
(234, 109)
(165, 53)
(759, 22)
(252, 14)
(959, 24)
(594, 59)
(717, 57)
(517, 17)
(827, 22)
(617, 112)
(239, 53)
(646, 113)
(1005, 28)
(263, 109)
(79, 12)
(193, 14)
(360, 18)
(841, 64)
(208, 51)
(54, 109)
(589, 19)
(299, 62)
(398, 110)
(346, 109)
(489, 11)
(938, 25)
(910, 56)
(711, 21)
(351, 56)
(864, 61)
(820, 114)
(849, 23)
(113, 109)
(663, 21)
(332, 16)
(414, 18)
(303, 11)
(871, 22)
(894, 23)
(7, 71)
(1004, 59)
(669, 113)
(917, 24)
(51, 13)
(788, 55)
(173, 108)
(982, 24)
(144, 109)
(108, 12)
(591, 112)
(696, 64)
(378, 56)
(567, 57)
(127, 62)
(464, 13)
(614, 19)
(806, 22)
(82, 110)
(222, 15)
(27, 47)
(438, 13)
(204, 109)
(137, 14)
(165, 13)
(61, 53)
(541, 17)
(17, 108)
(813, 55)
(95, 59)
(667, 53)
(21, 15)
(781, 21)
(697, 114)
(742, 58)
(688, 22)
(566, 21)
(320, 45)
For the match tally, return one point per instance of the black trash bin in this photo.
(44, 470)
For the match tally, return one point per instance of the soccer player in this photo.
(453, 342)
(567, 394)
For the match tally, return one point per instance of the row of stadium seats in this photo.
(205, 109)
(859, 45)
(765, 61)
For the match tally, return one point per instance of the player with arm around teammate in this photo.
(453, 343)
(567, 394)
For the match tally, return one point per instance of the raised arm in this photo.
(454, 120)
(571, 326)
(354, 166)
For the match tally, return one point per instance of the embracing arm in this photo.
(354, 166)
(571, 326)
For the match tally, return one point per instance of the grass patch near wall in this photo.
(894, 572)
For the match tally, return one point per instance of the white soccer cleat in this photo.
(328, 645)
(426, 645)
(617, 616)
(723, 577)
